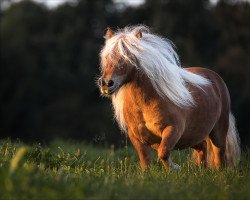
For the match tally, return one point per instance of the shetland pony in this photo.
(163, 106)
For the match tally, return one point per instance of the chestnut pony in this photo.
(163, 106)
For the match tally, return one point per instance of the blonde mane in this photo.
(156, 57)
(117, 101)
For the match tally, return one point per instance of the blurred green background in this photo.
(49, 61)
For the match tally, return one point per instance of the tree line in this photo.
(50, 61)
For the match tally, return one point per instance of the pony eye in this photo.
(121, 67)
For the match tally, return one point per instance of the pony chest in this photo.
(145, 123)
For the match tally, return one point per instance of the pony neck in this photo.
(141, 81)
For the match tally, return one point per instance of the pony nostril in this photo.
(110, 83)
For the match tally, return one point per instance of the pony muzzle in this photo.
(108, 90)
(107, 87)
(104, 91)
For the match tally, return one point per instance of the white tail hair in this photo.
(156, 57)
(232, 144)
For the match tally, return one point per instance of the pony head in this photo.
(135, 49)
(118, 64)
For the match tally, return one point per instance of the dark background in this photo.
(49, 61)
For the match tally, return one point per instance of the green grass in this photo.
(68, 170)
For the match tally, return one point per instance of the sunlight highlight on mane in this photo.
(155, 56)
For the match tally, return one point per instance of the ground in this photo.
(73, 170)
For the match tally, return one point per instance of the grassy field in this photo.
(70, 170)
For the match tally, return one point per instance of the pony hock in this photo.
(164, 106)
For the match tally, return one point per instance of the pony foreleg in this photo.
(142, 150)
(169, 138)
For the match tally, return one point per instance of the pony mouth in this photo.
(109, 92)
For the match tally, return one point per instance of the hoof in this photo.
(175, 167)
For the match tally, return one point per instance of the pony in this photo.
(163, 106)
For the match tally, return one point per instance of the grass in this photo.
(70, 170)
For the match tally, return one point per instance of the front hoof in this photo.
(175, 167)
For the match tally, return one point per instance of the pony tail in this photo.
(232, 144)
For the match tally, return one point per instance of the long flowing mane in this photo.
(155, 56)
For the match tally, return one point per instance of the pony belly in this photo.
(184, 144)
(192, 137)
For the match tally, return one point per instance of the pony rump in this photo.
(155, 56)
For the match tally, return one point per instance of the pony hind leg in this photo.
(200, 154)
(225, 142)
(218, 144)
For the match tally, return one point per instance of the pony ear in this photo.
(138, 34)
(109, 33)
